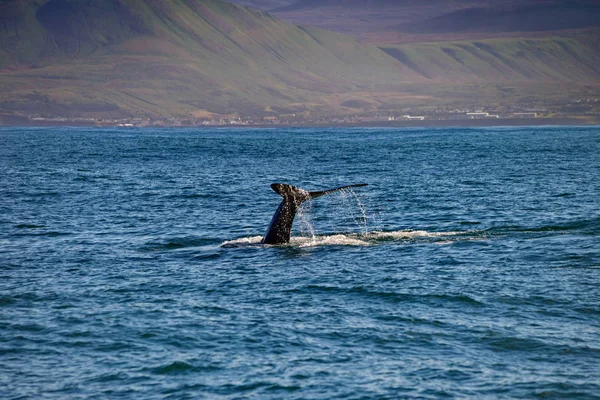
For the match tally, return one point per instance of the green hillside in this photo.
(500, 72)
(174, 58)
(558, 59)
(166, 58)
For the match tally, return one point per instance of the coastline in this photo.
(467, 123)
(23, 121)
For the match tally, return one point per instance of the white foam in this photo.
(247, 241)
(351, 239)
(333, 240)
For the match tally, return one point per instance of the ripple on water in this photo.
(176, 367)
(177, 243)
(29, 226)
(6, 301)
(394, 297)
(193, 367)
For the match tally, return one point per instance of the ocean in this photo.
(131, 265)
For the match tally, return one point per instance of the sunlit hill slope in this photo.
(172, 57)
(196, 57)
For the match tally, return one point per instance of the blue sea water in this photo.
(131, 265)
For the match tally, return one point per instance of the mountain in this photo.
(193, 58)
(531, 18)
(32, 30)
(356, 17)
(402, 21)
(551, 60)
(348, 4)
(263, 4)
(172, 57)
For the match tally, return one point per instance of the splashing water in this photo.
(362, 220)
(364, 239)
(347, 212)
(347, 205)
(304, 221)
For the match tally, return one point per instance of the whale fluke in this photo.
(280, 229)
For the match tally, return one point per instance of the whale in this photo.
(280, 228)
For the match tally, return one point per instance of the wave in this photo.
(177, 243)
(581, 226)
(586, 227)
(353, 239)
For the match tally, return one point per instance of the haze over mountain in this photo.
(199, 57)
(379, 21)
(529, 18)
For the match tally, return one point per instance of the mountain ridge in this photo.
(403, 21)
(185, 54)
(530, 18)
(202, 57)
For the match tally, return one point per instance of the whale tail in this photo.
(300, 195)
(280, 228)
(327, 191)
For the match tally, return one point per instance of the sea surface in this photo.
(131, 265)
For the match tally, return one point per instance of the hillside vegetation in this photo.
(173, 57)
(197, 57)
(503, 60)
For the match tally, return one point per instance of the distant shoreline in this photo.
(465, 123)
(17, 121)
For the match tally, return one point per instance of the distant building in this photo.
(481, 114)
(417, 117)
(477, 114)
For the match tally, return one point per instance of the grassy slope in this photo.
(185, 56)
(504, 60)
(22, 37)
